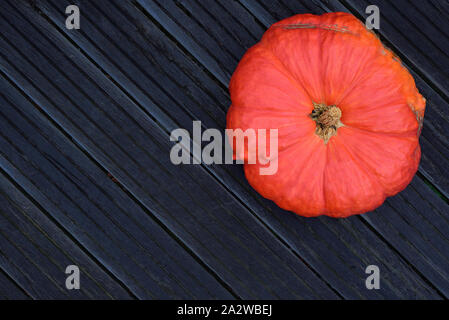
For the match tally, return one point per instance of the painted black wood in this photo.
(138, 45)
(89, 205)
(36, 253)
(419, 32)
(105, 98)
(9, 290)
(124, 139)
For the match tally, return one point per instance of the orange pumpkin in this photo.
(347, 111)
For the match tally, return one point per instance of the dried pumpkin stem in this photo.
(327, 120)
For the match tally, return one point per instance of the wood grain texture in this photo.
(36, 253)
(139, 44)
(89, 205)
(86, 116)
(9, 289)
(107, 124)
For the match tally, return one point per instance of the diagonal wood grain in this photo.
(345, 255)
(104, 99)
(89, 205)
(9, 290)
(116, 133)
(35, 252)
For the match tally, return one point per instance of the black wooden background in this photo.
(86, 178)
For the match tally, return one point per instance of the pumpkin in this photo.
(348, 115)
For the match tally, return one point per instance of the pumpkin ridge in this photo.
(361, 160)
(359, 77)
(405, 134)
(291, 77)
(306, 163)
(366, 169)
(323, 186)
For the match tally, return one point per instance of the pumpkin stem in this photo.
(327, 120)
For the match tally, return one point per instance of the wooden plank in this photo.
(90, 206)
(392, 220)
(117, 133)
(440, 8)
(313, 239)
(176, 23)
(205, 12)
(259, 12)
(9, 290)
(36, 253)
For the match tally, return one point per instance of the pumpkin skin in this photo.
(307, 61)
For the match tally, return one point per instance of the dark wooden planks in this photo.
(90, 206)
(416, 222)
(393, 290)
(205, 12)
(312, 240)
(188, 32)
(105, 122)
(9, 290)
(36, 253)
